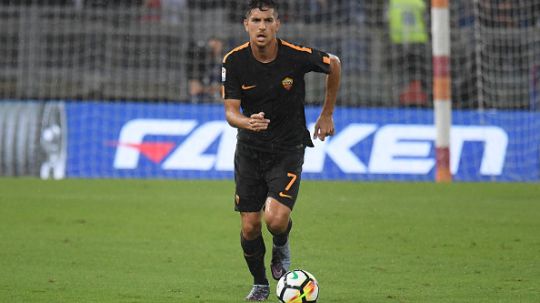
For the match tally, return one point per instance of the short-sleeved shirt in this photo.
(276, 88)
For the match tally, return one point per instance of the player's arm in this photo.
(325, 123)
(256, 122)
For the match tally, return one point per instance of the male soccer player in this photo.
(264, 92)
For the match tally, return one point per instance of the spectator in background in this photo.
(204, 70)
(409, 38)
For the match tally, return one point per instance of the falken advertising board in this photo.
(147, 140)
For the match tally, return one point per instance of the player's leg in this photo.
(254, 250)
(284, 184)
(279, 223)
(249, 199)
(277, 218)
(253, 246)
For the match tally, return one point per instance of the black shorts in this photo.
(259, 175)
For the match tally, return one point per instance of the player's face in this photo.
(262, 26)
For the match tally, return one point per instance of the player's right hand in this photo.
(257, 122)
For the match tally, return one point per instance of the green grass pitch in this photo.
(178, 241)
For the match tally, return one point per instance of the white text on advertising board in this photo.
(393, 148)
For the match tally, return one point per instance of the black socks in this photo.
(281, 239)
(254, 251)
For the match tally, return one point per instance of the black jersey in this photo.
(277, 89)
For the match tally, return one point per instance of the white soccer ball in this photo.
(297, 286)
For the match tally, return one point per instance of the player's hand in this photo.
(258, 123)
(324, 127)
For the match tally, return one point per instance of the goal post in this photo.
(442, 97)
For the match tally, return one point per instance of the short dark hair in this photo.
(263, 5)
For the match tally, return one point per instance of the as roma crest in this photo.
(287, 83)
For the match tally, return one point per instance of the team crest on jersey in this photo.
(287, 83)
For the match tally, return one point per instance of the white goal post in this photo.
(442, 96)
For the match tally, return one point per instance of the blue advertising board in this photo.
(166, 140)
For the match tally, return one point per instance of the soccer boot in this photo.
(281, 260)
(258, 293)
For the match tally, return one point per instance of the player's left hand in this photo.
(324, 127)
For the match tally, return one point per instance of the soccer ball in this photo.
(297, 286)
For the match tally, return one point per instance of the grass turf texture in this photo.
(178, 241)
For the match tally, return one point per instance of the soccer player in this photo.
(264, 92)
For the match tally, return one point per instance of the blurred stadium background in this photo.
(75, 74)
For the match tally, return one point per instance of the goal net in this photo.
(112, 62)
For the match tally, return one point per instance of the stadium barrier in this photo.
(157, 140)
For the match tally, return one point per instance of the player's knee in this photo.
(277, 225)
(251, 230)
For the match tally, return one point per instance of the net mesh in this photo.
(150, 50)
(169, 52)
